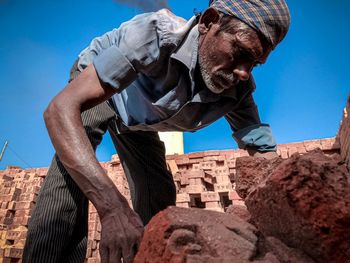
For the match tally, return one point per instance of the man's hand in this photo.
(121, 227)
(266, 155)
(121, 235)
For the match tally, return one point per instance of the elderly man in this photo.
(156, 72)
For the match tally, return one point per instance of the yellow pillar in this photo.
(174, 143)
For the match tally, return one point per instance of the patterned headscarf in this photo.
(269, 17)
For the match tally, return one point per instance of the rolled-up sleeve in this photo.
(248, 131)
(134, 48)
(114, 69)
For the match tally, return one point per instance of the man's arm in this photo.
(121, 227)
(249, 132)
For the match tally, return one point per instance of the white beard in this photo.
(204, 65)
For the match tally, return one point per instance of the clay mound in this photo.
(180, 234)
(194, 235)
(250, 171)
(305, 202)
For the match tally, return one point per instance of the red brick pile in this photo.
(18, 192)
(203, 180)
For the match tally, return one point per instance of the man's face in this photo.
(228, 56)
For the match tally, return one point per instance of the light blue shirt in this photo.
(151, 61)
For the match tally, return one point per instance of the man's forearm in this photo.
(65, 127)
(77, 155)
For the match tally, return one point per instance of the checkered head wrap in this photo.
(269, 17)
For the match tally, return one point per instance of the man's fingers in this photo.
(115, 256)
(135, 248)
(129, 253)
(104, 254)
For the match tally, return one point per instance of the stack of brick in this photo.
(344, 134)
(18, 193)
(203, 180)
(328, 146)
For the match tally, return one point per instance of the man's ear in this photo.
(207, 19)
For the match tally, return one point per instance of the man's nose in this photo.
(242, 72)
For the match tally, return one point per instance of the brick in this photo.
(94, 235)
(222, 171)
(212, 204)
(13, 252)
(23, 213)
(182, 204)
(28, 197)
(210, 197)
(195, 189)
(195, 160)
(7, 260)
(231, 163)
(95, 253)
(217, 158)
(215, 206)
(194, 174)
(16, 235)
(192, 181)
(284, 153)
(177, 176)
(312, 145)
(184, 180)
(17, 221)
(183, 160)
(172, 166)
(211, 153)
(208, 165)
(222, 187)
(92, 244)
(88, 253)
(93, 216)
(8, 185)
(195, 155)
(183, 167)
(328, 144)
(233, 195)
(196, 167)
(5, 190)
(182, 197)
(24, 205)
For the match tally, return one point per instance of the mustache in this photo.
(226, 78)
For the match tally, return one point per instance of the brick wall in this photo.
(344, 134)
(203, 179)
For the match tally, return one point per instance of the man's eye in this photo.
(245, 55)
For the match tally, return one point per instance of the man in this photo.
(158, 73)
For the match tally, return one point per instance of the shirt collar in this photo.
(187, 52)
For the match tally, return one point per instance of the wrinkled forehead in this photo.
(247, 39)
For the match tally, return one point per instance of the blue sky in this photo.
(301, 90)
